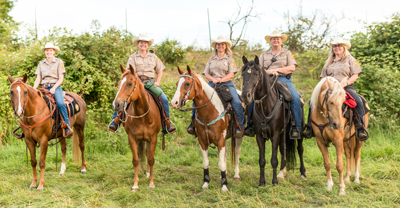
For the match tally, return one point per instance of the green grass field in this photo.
(179, 170)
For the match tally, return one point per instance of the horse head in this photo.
(18, 95)
(185, 89)
(128, 88)
(251, 73)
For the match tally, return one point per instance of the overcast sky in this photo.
(186, 20)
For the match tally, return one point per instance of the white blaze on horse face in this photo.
(122, 83)
(175, 101)
(19, 110)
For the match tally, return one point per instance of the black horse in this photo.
(269, 120)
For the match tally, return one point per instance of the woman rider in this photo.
(280, 62)
(50, 75)
(339, 65)
(146, 65)
(220, 70)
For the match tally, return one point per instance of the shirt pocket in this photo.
(281, 60)
(344, 71)
(225, 68)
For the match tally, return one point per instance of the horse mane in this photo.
(209, 91)
(337, 91)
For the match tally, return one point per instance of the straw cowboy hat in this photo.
(275, 34)
(143, 38)
(221, 39)
(339, 40)
(50, 45)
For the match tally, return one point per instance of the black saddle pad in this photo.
(365, 105)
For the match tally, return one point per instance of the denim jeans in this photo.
(295, 104)
(164, 99)
(58, 95)
(235, 103)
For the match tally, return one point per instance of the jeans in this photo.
(58, 95)
(359, 108)
(164, 100)
(235, 103)
(295, 105)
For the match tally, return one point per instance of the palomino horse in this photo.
(269, 108)
(211, 122)
(326, 104)
(143, 121)
(29, 105)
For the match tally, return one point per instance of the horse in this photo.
(32, 110)
(258, 87)
(328, 122)
(211, 122)
(143, 121)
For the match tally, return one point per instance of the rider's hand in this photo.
(215, 81)
(156, 84)
(52, 90)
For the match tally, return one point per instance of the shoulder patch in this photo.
(62, 65)
(159, 60)
(291, 56)
(356, 63)
(234, 64)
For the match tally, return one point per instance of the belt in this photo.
(47, 85)
(144, 78)
(288, 76)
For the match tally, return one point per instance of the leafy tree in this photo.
(8, 26)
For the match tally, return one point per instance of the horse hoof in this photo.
(342, 193)
(303, 176)
(32, 187)
(83, 171)
(224, 188)
(39, 189)
(134, 188)
(205, 185)
(152, 187)
(236, 178)
(356, 180)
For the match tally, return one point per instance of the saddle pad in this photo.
(365, 105)
(284, 90)
(224, 94)
(46, 92)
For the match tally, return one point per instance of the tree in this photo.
(8, 26)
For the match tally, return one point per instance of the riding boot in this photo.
(309, 133)
(361, 133)
(114, 125)
(248, 131)
(190, 129)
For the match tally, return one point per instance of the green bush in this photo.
(170, 51)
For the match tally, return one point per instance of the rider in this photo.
(220, 70)
(339, 65)
(279, 62)
(146, 65)
(50, 75)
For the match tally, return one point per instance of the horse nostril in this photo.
(176, 102)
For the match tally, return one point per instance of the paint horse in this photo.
(143, 121)
(211, 122)
(328, 122)
(269, 108)
(36, 124)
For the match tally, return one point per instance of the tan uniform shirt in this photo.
(341, 69)
(148, 66)
(283, 58)
(50, 71)
(219, 68)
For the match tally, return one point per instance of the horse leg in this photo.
(32, 152)
(222, 163)
(81, 134)
(325, 155)
(150, 159)
(339, 166)
(237, 156)
(42, 162)
(282, 171)
(261, 160)
(349, 158)
(274, 159)
(64, 151)
(135, 161)
(300, 150)
(204, 153)
(357, 158)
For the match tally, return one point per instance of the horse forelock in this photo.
(337, 91)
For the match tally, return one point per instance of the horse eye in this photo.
(130, 84)
(187, 84)
(11, 93)
(331, 103)
(26, 92)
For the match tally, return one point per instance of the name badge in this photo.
(226, 63)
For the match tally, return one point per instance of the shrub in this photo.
(170, 51)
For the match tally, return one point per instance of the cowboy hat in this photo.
(275, 34)
(339, 40)
(221, 39)
(50, 45)
(143, 38)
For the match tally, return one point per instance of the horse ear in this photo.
(10, 79)
(329, 83)
(257, 60)
(132, 69)
(344, 82)
(122, 68)
(180, 70)
(244, 59)
(25, 78)
(189, 70)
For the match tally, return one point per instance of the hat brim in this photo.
(55, 48)
(136, 41)
(227, 42)
(268, 38)
(345, 43)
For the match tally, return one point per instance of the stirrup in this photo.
(292, 130)
(166, 130)
(112, 130)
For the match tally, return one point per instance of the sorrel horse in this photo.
(211, 122)
(29, 105)
(268, 107)
(326, 104)
(143, 121)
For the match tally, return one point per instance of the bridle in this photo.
(328, 91)
(26, 100)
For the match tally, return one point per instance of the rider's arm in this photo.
(37, 81)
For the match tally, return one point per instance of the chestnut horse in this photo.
(326, 104)
(29, 105)
(211, 122)
(258, 87)
(143, 121)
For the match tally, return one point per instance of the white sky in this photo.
(186, 20)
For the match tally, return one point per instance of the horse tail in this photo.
(142, 154)
(290, 153)
(76, 151)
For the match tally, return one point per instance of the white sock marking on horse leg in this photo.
(63, 168)
(282, 173)
(19, 111)
(206, 162)
(222, 164)
(356, 176)
(224, 188)
(122, 82)
(329, 185)
(237, 156)
(148, 175)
